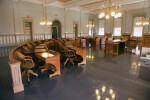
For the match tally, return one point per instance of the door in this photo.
(56, 29)
(28, 31)
(54, 32)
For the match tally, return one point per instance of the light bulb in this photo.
(119, 14)
(107, 16)
(103, 89)
(87, 25)
(111, 91)
(140, 23)
(113, 13)
(146, 23)
(98, 97)
(106, 98)
(116, 16)
(97, 92)
(102, 14)
(42, 23)
(113, 96)
(49, 23)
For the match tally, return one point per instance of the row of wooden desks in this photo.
(52, 57)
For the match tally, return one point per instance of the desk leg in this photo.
(117, 49)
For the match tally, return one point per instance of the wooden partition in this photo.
(146, 41)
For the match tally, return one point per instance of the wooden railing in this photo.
(10, 39)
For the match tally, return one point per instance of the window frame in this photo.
(99, 26)
(134, 16)
(117, 27)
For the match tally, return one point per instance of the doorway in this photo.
(56, 29)
(75, 28)
(28, 28)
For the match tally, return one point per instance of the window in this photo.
(137, 29)
(117, 27)
(90, 31)
(101, 27)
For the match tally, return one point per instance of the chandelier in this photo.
(90, 23)
(143, 21)
(45, 20)
(114, 11)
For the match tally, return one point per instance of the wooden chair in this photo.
(67, 53)
(26, 63)
(31, 47)
(27, 51)
(33, 44)
(69, 43)
(69, 38)
(60, 40)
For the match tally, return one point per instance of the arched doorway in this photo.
(56, 29)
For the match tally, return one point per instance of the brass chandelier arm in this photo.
(110, 11)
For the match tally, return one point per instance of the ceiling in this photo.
(93, 6)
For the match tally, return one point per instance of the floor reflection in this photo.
(102, 78)
(105, 93)
(135, 65)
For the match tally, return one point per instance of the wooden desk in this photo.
(40, 50)
(50, 57)
(80, 42)
(146, 41)
(77, 42)
(132, 43)
(114, 47)
(82, 52)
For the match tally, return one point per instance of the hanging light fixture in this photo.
(90, 23)
(114, 11)
(45, 20)
(143, 21)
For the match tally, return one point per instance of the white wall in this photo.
(66, 16)
(35, 11)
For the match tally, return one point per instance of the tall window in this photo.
(101, 27)
(117, 27)
(137, 29)
(90, 31)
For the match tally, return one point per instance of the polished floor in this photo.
(104, 77)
